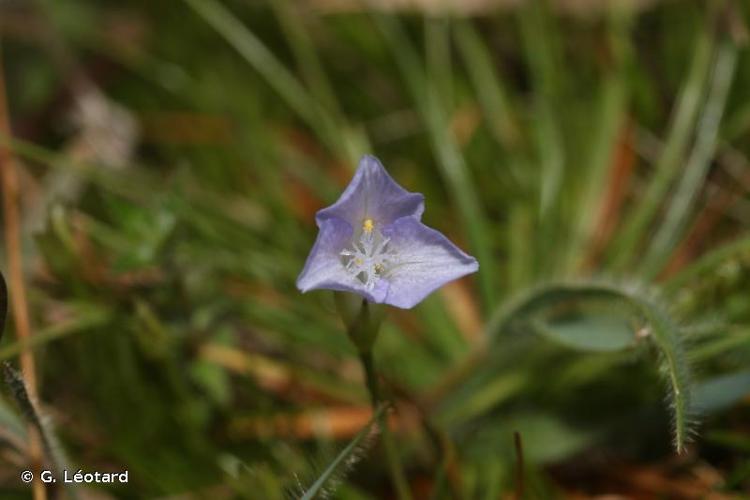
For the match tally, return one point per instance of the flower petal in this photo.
(324, 269)
(373, 194)
(426, 260)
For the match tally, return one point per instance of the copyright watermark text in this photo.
(79, 476)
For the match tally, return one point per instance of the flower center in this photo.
(369, 255)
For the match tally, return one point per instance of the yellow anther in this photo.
(368, 225)
(359, 262)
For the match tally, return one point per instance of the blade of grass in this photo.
(437, 33)
(668, 164)
(90, 319)
(612, 108)
(455, 172)
(490, 89)
(257, 54)
(281, 373)
(304, 52)
(314, 73)
(725, 342)
(344, 461)
(708, 263)
(502, 120)
(738, 124)
(18, 299)
(136, 185)
(541, 50)
(276, 74)
(521, 257)
(542, 55)
(684, 199)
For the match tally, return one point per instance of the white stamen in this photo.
(369, 256)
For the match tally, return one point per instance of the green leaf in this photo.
(719, 393)
(658, 326)
(589, 333)
(545, 437)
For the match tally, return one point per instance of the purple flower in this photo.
(371, 242)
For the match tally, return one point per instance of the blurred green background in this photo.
(593, 156)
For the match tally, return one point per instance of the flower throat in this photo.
(369, 255)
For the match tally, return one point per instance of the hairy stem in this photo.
(391, 454)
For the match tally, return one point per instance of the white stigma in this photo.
(369, 256)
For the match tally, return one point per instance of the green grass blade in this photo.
(257, 54)
(612, 108)
(437, 33)
(492, 94)
(91, 317)
(684, 199)
(738, 124)
(729, 340)
(453, 168)
(344, 460)
(356, 142)
(276, 74)
(521, 257)
(668, 164)
(304, 52)
(709, 263)
(542, 55)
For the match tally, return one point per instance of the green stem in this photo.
(391, 455)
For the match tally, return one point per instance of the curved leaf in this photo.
(721, 392)
(659, 327)
(598, 332)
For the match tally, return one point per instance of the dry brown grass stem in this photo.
(17, 294)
